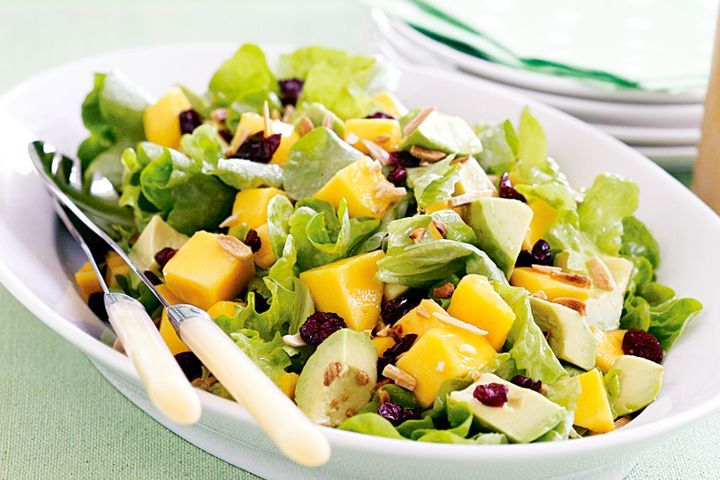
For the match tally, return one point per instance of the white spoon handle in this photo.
(166, 384)
(294, 434)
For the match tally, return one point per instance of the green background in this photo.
(58, 417)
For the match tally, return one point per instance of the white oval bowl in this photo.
(37, 258)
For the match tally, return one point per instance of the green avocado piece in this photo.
(155, 236)
(526, 416)
(472, 178)
(338, 378)
(568, 335)
(441, 132)
(500, 225)
(604, 308)
(633, 383)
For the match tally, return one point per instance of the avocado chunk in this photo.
(155, 236)
(604, 308)
(500, 225)
(568, 335)
(526, 416)
(338, 378)
(472, 178)
(441, 132)
(633, 383)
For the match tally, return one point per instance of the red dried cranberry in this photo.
(397, 413)
(641, 344)
(397, 176)
(526, 382)
(508, 191)
(190, 365)
(540, 254)
(189, 120)
(403, 159)
(258, 147)
(252, 240)
(96, 302)
(380, 115)
(163, 256)
(491, 394)
(319, 326)
(226, 135)
(393, 310)
(152, 277)
(401, 346)
(290, 90)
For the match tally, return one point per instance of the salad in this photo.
(396, 271)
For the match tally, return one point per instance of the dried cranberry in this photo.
(290, 90)
(152, 277)
(319, 326)
(397, 413)
(190, 365)
(380, 115)
(252, 240)
(508, 191)
(540, 254)
(403, 159)
(163, 256)
(258, 147)
(401, 346)
(491, 394)
(96, 302)
(393, 310)
(226, 135)
(526, 382)
(189, 120)
(397, 176)
(641, 344)
(261, 305)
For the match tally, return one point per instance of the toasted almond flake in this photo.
(382, 138)
(238, 139)
(275, 114)
(548, 269)
(466, 198)
(467, 349)
(421, 312)
(294, 340)
(266, 119)
(375, 167)
(351, 138)
(362, 378)
(455, 322)
(305, 125)
(572, 303)
(118, 346)
(417, 234)
(440, 227)
(233, 246)
(426, 154)
(440, 366)
(543, 389)
(328, 120)
(572, 278)
(229, 221)
(419, 118)
(400, 377)
(462, 159)
(600, 274)
(288, 113)
(540, 294)
(333, 371)
(444, 291)
(376, 151)
(387, 191)
(219, 115)
(384, 331)
(622, 421)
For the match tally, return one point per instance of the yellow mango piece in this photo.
(287, 382)
(348, 287)
(543, 216)
(161, 121)
(167, 332)
(441, 354)
(593, 407)
(434, 232)
(87, 281)
(383, 131)
(534, 281)
(224, 307)
(382, 344)
(253, 123)
(421, 318)
(202, 272)
(442, 205)
(265, 256)
(608, 347)
(357, 183)
(475, 301)
(116, 267)
(250, 206)
(388, 103)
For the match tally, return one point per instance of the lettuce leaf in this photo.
(271, 356)
(434, 183)
(499, 152)
(244, 79)
(370, 424)
(637, 241)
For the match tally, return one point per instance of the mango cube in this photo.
(441, 354)
(250, 206)
(348, 287)
(265, 256)
(382, 344)
(358, 183)
(87, 281)
(534, 281)
(224, 307)
(116, 267)
(161, 119)
(385, 132)
(388, 103)
(543, 216)
(287, 381)
(253, 123)
(167, 332)
(421, 318)
(593, 407)
(475, 301)
(209, 268)
(608, 347)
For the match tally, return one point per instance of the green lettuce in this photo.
(244, 79)
(271, 356)
(499, 152)
(434, 183)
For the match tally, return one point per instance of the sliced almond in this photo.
(382, 138)
(387, 191)
(455, 322)
(426, 154)
(400, 377)
(419, 118)
(462, 159)
(118, 346)
(384, 332)
(540, 294)
(352, 139)
(305, 125)
(229, 221)
(294, 340)
(600, 274)
(376, 151)
(328, 120)
(288, 113)
(219, 115)
(467, 349)
(622, 421)
(466, 198)
(572, 278)
(234, 247)
(444, 291)
(548, 269)
(266, 119)
(375, 167)
(417, 234)
(275, 114)
(421, 312)
(573, 303)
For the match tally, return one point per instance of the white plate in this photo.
(651, 136)
(35, 263)
(523, 78)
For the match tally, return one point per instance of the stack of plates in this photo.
(664, 126)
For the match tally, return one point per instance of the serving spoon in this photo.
(291, 431)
